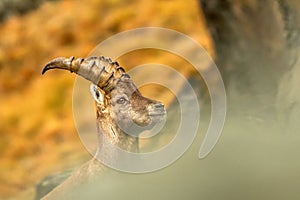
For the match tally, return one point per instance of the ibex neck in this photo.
(118, 138)
(110, 132)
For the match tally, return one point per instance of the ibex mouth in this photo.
(157, 112)
(157, 117)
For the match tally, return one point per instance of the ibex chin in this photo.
(120, 108)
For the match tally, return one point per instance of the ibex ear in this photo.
(96, 93)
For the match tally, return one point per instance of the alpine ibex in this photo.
(119, 107)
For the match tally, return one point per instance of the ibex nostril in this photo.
(159, 105)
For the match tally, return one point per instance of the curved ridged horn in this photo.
(101, 71)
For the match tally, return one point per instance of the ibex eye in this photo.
(122, 100)
(97, 94)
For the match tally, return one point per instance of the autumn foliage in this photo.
(38, 135)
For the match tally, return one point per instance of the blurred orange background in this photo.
(38, 136)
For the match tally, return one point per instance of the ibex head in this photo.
(117, 98)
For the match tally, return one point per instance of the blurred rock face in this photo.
(256, 45)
